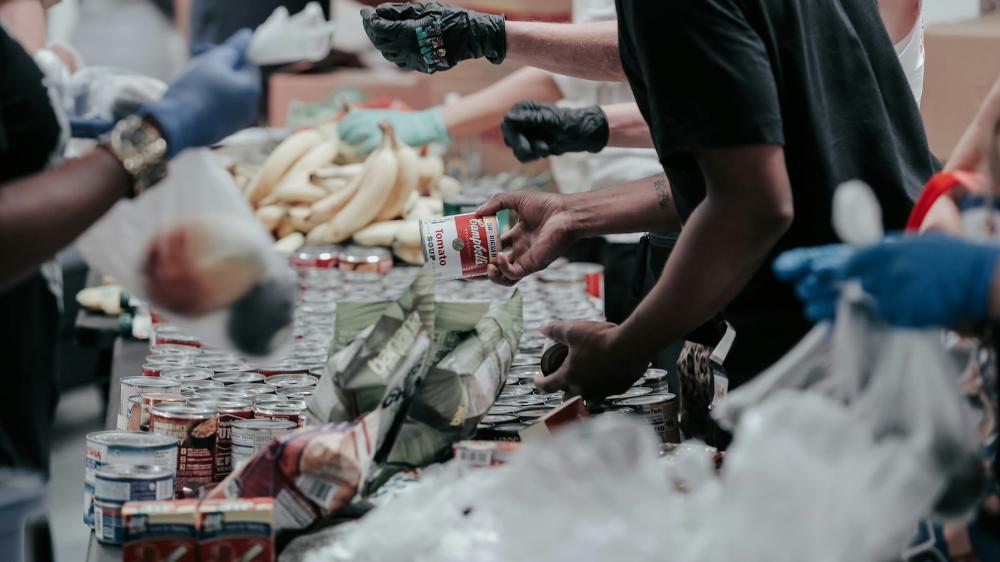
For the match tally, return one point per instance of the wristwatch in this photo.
(142, 150)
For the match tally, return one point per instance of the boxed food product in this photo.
(160, 530)
(236, 530)
(569, 412)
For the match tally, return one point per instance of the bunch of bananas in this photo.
(313, 191)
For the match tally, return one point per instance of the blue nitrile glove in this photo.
(817, 274)
(217, 94)
(415, 128)
(84, 128)
(925, 281)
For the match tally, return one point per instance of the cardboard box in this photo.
(161, 531)
(236, 530)
(963, 62)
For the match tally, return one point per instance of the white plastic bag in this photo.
(199, 196)
(283, 39)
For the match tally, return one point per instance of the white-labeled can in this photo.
(123, 448)
(119, 483)
(660, 411)
(251, 436)
(133, 386)
(460, 246)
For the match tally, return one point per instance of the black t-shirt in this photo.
(29, 130)
(819, 77)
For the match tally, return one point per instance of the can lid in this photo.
(493, 419)
(255, 387)
(296, 390)
(222, 405)
(185, 374)
(291, 380)
(510, 427)
(130, 439)
(655, 375)
(183, 410)
(133, 472)
(234, 377)
(521, 401)
(647, 400)
(630, 393)
(150, 382)
(289, 407)
(503, 410)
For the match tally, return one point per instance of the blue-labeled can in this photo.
(123, 448)
(119, 483)
(109, 526)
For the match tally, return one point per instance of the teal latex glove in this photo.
(415, 128)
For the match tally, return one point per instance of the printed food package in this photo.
(236, 530)
(161, 530)
(318, 470)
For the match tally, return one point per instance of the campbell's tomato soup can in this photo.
(291, 410)
(195, 429)
(460, 246)
(317, 257)
(137, 417)
(229, 411)
(122, 448)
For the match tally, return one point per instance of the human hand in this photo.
(216, 95)
(360, 127)
(599, 363)
(538, 130)
(544, 232)
(432, 36)
(931, 280)
(817, 274)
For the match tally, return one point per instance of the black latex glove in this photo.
(537, 130)
(434, 36)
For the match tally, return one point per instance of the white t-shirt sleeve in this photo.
(911, 55)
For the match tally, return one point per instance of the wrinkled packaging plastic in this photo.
(198, 194)
(282, 39)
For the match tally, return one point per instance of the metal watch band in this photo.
(141, 150)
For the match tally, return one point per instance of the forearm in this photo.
(719, 253)
(644, 205)
(42, 213)
(483, 110)
(584, 50)
(627, 128)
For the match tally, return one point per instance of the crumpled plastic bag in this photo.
(283, 39)
(250, 284)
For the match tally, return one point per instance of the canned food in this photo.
(109, 527)
(503, 410)
(554, 401)
(553, 357)
(292, 410)
(299, 391)
(526, 360)
(521, 401)
(133, 386)
(225, 393)
(366, 258)
(195, 427)
(592, 275)
(630, 393)
(229, 411)
(156, 364)
(137, 417)
(533, 414)
(241, 377)
(269, 399)
(199, 385)
(656, 379)
(167, 350)
(511, 380)
(121, 483)
(170, 338)
(187, 374)
(251, 436)
(123, 448)
(223, 366)
(660, 411)
(493, 419)
(255, 387)
(283, 368)
(525, 373)
(516, 390)
(460, 246)
(317, 257)
(281, 381)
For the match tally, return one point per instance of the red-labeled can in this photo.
(195, 428)
(228, 412)
(317, 257)
(174, 350)
(592, 275)
(137, 417)
(176, 339)
(366, 258)
(460, 246)
(225, 393)
(292, 410)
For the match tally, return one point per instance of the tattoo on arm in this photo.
(663, 192)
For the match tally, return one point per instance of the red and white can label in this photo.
(461, 246)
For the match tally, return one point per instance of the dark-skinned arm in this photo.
(42, 213)
(747, 209)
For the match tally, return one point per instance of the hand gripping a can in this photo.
(600, 363)
(544, 232)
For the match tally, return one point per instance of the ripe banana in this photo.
(380, 233)
(425, 208)
(290, 243)
(410, 254)
(294, 186)
(270, 216)
(299, 218)
(325, 209)
(431, 170)
(376, 185)
(280, 161)
(407, 177)
(446, 187)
